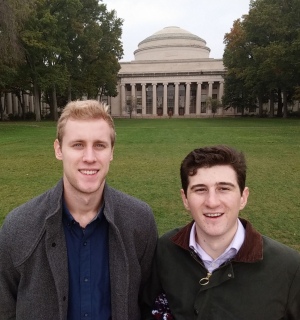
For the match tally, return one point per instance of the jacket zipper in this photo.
(205, 280)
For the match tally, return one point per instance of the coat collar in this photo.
(251, 250)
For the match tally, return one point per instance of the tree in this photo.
(71, 48)
(13, 13)
(213, 104)
(263, 49)
(131, 105)
(95, 46)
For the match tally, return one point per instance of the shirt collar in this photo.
(233, 247)
(69, 220)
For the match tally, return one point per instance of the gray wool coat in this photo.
(34, 264)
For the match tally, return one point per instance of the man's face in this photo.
(86, 153)
(214, 200)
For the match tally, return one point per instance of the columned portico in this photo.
(172, 75)
(176, 98)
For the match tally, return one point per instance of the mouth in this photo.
(213, 215)
(88, 172)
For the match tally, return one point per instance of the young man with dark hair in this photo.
(219, 267)
(81, 250)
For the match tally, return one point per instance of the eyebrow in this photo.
(218, 184)
(83, 140)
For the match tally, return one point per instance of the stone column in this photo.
(31, 103)
(165, 104)
(154, 99)
(132, 97)
(221, 90)
(3, 104)
(143, 98)
(210, 83)
(198, 98)
(9, 103)
(133, 90)
(176, 102)
(123, 101)
(187, 98)
(15, 104)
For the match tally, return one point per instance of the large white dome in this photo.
(172, 43)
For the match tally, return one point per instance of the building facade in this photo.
(172, 75)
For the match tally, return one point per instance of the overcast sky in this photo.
(209, 19)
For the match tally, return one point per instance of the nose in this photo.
(212, 199)
(89, 155)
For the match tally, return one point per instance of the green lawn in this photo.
(147, 158)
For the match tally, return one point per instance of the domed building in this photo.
(171, 75)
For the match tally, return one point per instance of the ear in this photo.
(184, 200)
(57, 150)
(244, 198)
(112, 154)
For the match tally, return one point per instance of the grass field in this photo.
(146, 164)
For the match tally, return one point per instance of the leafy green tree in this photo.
(96, 48)
(13, 13)
(213, 104)
(262, 51)
(70, 48)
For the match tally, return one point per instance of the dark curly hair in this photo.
(210, 156)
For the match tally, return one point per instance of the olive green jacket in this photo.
(261, 283)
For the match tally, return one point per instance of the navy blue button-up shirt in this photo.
(88, 263)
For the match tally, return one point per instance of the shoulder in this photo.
(24, 226)
(33, 212)
(167, 239)
(170, 234)
(118, 200)
(280, 252)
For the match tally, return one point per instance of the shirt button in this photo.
(86, 314)
(86, 279)
(85, 243)
(196, 312)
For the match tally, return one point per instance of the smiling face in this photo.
(86, 152)
(214, 200)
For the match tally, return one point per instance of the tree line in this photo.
(262, 57)
(58, 50)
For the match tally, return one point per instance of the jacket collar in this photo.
(251, 250)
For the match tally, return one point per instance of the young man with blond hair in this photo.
(81, 250)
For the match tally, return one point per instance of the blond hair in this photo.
(84, 110)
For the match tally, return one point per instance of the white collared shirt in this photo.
(228, 254)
